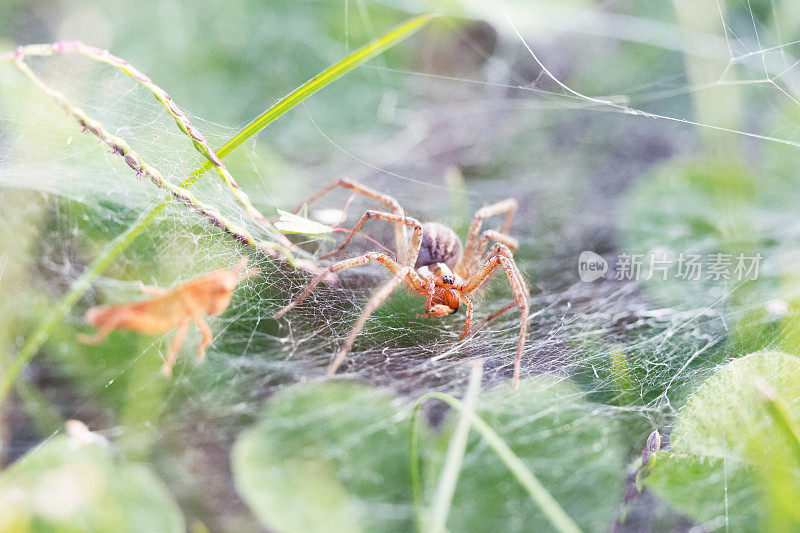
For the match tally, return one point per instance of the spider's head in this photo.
(447, 296)
(441, 274)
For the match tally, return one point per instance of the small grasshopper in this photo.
(206, 295)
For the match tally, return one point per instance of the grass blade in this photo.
(446, 486)
(42, 332)
(324, 78)
(540, 496)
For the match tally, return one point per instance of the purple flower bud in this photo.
(174, 108)
(652, 446)
(133, 163)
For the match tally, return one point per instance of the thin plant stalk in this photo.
(121, 148)
(182, 121)
(540, 496)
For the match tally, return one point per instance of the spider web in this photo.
(516, 120)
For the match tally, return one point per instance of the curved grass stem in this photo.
(180, 118)
(121, 148)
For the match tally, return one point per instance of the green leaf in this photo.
(325, 455)
(291, 223)
(66, 485)
(734, 464)
(696, 207)
(539, 495)
(727, 417)
(715, 493)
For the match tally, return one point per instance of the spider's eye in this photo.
(448, 280)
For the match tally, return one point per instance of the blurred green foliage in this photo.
(70, 485)
(460, 115)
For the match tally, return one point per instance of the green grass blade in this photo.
(446, 487)
(324, 78)
(40, 335)
(540, 496)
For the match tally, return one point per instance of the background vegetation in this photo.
(621, 127)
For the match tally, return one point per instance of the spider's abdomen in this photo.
(440, 244)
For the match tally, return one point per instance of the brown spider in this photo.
(432, 264)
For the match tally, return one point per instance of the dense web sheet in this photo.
(579, 161)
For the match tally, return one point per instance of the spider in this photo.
(431, 263)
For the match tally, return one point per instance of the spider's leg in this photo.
(495, 315)
(385, 199)
(377, 299)
(493, 260)
(174, 347)
(429, 292)
(500, 255)
(416, 236)
(394, 267)
(468, 323)
(401, 275)
(475, 244)
(207, 337)
(496, 236)
(430, 289)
